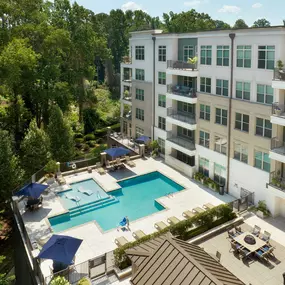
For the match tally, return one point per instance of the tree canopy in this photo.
(240, 24)
(261, 23)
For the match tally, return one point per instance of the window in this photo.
(188, 134)
(243, 90)
(221, 145)
(266, 57)
(186, 108)
(161, 100)
(223, 55)
(263, 128)
(240, 152)
(162, 78)
(242, 122)
(161, 123)
(204, 166)
(220, 174)
(206, 55)
(188, 81)
(188, 52)
(161, 53)
(244, 56)
(205, 84)
(140, 94)
(140, 114)
(139, 132)
(222, 87)
(204, 139)
(139, 52)
(221, 116)
(262, 160)
(140, 74)
(161, 143)
(264, 94)
(190, 160)
(205, 112)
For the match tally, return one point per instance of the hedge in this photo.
(183, 230)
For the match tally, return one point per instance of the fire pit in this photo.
(250, 239)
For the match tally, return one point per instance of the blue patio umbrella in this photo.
(143, 139)
(60, 249)
(33, 190)
(117, 151)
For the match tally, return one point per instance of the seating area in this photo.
(250, 244)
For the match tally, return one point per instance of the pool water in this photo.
(135, 199)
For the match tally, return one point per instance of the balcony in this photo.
(182, 119)
(182, 93)
(278, 114)
(277, 150)
(180, 165)
(127, 116)
(278, 81)
(181, 143)
(176, 67)
(127, 99)
(126, 62)
(277, 184)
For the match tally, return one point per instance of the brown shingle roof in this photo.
(166, 260)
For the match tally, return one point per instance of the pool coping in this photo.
(120, 180)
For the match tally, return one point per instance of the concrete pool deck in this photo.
(95, 242)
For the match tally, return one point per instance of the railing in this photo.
(181, 90)
(128, 98)
(277, 181)
(278, 146)
(80, 163)
(127, 59)
(127, 79)
(278, 109)
(182, 141)
(181, 116)
(279, 74)
(178, 64)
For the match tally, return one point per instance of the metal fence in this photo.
(246, 200)
(181, 90)
(279, 74)
(181, 116)
(178, 64)
(79, 163)
(278, 145)
(184, 142)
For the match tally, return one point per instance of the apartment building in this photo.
(223, 116)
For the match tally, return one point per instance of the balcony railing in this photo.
(279, 74)
(278, 146)
(127, 79)
(181, 90)
(278, 109)
(178, 64)
(127, 59)
(181, 116)
(127, 97)
(182, 141)
(277, 181)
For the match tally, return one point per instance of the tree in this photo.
(240, 24)
(11, 173)
(220, 25)
(35, 149)
(60, 135)
(5, 280)
(91, 120)
(261, 23)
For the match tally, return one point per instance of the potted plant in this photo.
(50, 170)
(126, 94)
(155, 147)
(192, 61)
(280, 65)
(277, 110)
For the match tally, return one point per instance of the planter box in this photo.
(277, 112)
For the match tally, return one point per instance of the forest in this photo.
(59, 81)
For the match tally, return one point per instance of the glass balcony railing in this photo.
(277, 181)
(278, 146)
(181, 90)
(182, 141)
(181, 116)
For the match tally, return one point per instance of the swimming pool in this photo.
(135, 199)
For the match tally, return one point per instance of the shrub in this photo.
(78, 136)
(51, 167)
(79, 140)
(100, 141)
(83, 281)
(86, 147)
(91, 143)
(183, 230)
(59, 280)
(261, 206)
(89, 137)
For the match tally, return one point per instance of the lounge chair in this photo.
(160, 226)
(119, 163)
(100, 169)
(129, 162)
(188, 214)
(208, 206)
(173, 220)
(73, 198)
(198, 210)
(85, 191)
(121, 241)
(139, 234)
(109, 166)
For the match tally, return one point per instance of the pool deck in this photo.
(95, 242)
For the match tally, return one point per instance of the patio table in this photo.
(251, 247)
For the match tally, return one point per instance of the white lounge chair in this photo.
(173, 220)
(129, 162)
(73, 198)
(121, 241)
(160, 225)
(139, 234)
(85, 191)
(100, 169)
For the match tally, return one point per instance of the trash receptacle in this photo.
(222, 189)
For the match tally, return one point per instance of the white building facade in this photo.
(223, 116)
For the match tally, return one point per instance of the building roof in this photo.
(167, 260)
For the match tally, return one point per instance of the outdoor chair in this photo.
(208, 206)
(119, 163)
(244, 252)
(231, 234)
(238, 230)
(160, 226)
(139, 234)
(256, 230)
(188, 214)
(173, 220)
(109, 166)
(235, 246)
(198, 210)
(266, 236)
(129, 162)
(121, 241)
(261, 254)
